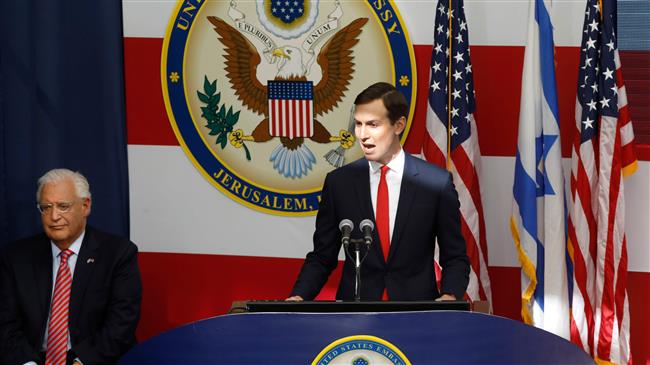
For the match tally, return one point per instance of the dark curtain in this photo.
(62, 105)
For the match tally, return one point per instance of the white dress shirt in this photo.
(393, 181)
(56, 261)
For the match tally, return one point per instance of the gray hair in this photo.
(81, 186)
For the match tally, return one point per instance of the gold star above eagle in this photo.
(291, 158)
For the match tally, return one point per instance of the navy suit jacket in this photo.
(104, 299)
(428, 208)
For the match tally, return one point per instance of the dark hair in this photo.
(394, 101)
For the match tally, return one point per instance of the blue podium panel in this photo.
(436, 337)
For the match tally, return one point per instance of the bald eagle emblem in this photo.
(292, 158)
(260, 93)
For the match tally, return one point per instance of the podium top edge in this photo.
(350, 306)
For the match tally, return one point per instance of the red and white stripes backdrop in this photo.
(198, 251)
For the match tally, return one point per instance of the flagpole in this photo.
(600, 7)
(449, 68)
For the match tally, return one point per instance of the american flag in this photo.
(603, 152)
(291, 108)
(451, 140)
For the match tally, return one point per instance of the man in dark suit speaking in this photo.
(72, 294)
(411, 202)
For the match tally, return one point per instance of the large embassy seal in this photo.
(259, 92)
(361, 350)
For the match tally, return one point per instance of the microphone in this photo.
(366, 226)
(346, 227)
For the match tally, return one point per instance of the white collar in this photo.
(396, 164)
(75, 247)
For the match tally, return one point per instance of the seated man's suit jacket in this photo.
(104, 299)
(428, 208)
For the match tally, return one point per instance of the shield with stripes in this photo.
(291, 108)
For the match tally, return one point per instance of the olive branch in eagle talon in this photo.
(221, 120)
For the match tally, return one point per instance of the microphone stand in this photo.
(356, 247)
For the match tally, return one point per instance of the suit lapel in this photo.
(82, 273)
(406, 195)
(43, 276)
(362, 190)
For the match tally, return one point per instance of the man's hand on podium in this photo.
(295, 298)
(446, 297)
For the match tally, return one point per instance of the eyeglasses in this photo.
(61, 207)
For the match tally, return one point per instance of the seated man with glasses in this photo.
(72, 294)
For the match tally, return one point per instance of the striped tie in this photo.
(57, 332)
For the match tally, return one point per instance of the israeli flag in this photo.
(538, 212)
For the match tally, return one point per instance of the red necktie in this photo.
(57, 332)
(382, 217)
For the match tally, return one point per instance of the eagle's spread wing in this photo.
(335, 60)
(241, 63)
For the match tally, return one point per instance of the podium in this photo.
(338, 306)
(415, 337)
